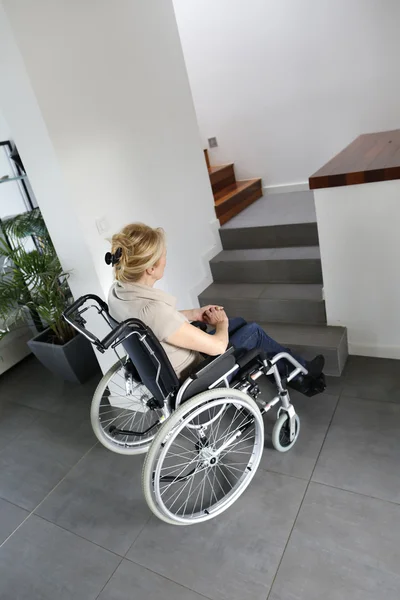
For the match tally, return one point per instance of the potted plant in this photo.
(34, 287)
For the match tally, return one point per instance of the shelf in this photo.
(13, 179)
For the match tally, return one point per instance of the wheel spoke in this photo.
(212, 485)
(121, 411)
(231, 447)
(188, 497)
(222, 439)
(229, 483)
(181, 492)
(199, 485)
(178, 476)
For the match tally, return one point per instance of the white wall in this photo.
(5, 133)
(19, 106)
(99, 104)
(284, 85)
(358, 228)
(113, 93)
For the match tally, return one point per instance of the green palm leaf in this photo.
(32, 279)
(26, 225)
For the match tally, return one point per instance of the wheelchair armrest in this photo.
(209, 364)
(248, 361)
(244, 359)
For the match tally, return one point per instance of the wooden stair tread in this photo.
(228, 192)
(207, 157)
(218, 168)
(230, 196)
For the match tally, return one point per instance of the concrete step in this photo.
(276, 220)
(282, 302)
(310, 340)
(270, 236)
(268, 265)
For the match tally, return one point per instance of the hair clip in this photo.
(113, 259)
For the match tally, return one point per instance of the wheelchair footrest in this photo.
(309, 386)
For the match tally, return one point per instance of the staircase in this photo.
(231, 196)
(270, 271)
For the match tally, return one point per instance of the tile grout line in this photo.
(108, 580)
(155, 572)
(136, 537)
(362, 399)
(47, 495)
(169, 579)
(335, 487)
(13, 504)
(281, 473)
(134, 563)
(302, 500)
(141, 566)
(78, 535)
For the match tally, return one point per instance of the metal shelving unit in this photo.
(16, 174)
(13, 347)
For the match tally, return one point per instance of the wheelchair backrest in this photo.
(149, 359)
(143, 348)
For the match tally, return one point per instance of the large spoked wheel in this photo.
(123, 414)
(203, 457)
(281, 433)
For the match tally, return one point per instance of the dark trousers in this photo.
(250, 335)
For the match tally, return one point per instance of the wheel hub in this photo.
(208, 456)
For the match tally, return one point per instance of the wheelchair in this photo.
(203, 437)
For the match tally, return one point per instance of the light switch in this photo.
(102, 225)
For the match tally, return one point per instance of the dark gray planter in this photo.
(75, 361)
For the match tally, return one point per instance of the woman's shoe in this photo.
(315, 366)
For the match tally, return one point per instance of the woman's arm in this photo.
(193, 338)
(191, 314)
(197, 314)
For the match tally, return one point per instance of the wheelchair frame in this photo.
(188, 444)
(261, 364)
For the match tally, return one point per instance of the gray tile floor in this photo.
(322, 521)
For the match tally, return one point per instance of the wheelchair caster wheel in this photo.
(281, 433)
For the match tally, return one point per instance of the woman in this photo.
(139, 257)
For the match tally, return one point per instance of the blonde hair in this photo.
(141, 248)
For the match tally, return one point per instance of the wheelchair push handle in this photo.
(81, 301)
(78, 322)
(117, 334)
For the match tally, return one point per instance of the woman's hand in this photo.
(215, 315)
(198, 314)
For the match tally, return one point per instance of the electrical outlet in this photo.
(212, 142)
